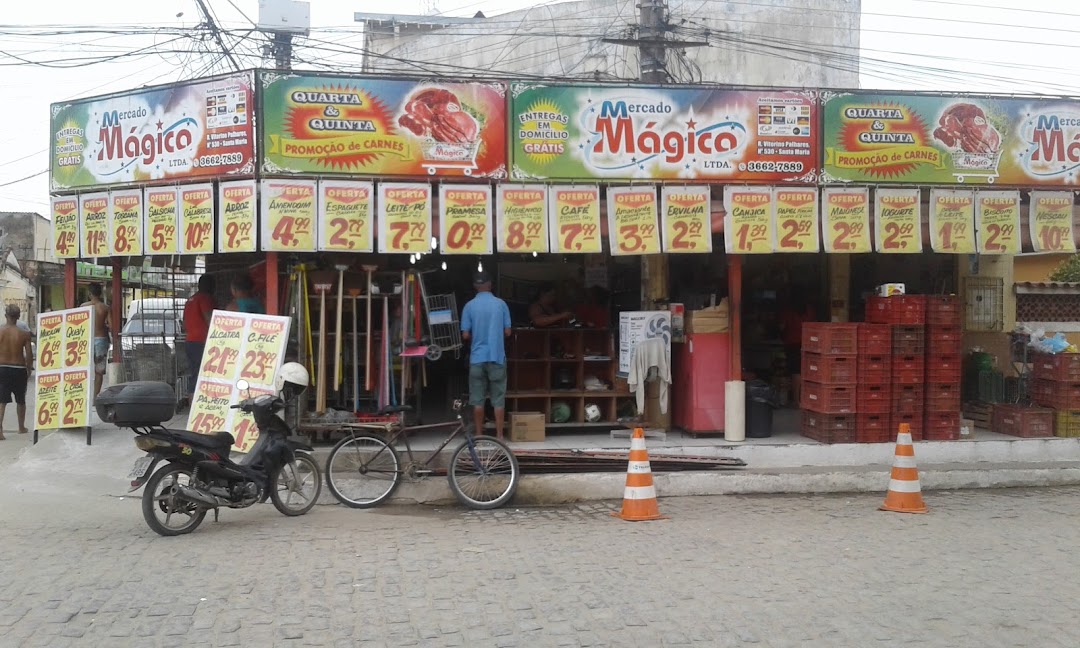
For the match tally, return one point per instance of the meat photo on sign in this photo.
(449, 129)
(972, 139)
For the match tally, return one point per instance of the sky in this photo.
(945, 45)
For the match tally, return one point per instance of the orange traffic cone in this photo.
(905, 494)
(639, 498)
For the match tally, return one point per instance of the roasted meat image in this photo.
(437, 113)
(965, 126)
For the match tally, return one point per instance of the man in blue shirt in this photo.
(485, 324)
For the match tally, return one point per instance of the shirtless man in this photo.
(101, 334)
(16, 363)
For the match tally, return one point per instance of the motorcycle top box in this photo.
(136, 404)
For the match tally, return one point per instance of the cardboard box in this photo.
(527, 426)
(708, 320)
(891, 289)
(967, 429)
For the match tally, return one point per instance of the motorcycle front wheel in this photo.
(164, 510)
(296, 486)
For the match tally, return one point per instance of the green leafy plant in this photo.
(1069, 270)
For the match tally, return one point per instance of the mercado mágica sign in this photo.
(652, 132)
(899, 138)
(191, 130)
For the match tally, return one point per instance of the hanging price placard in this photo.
(465, 219)
(574, 222)
(796, 219)
(748, 220)
(1050, 221)
(522, 218)
(126, 222)
(162, 215)
(346, 215)
(686, 214)
(65, 227)
(197, 219)
(404, 218)
(846, 220)
(288, 215)
(898, 221)
(997, 222)
(952, 220)
(94, 224)
(237, 224)
(632, 221)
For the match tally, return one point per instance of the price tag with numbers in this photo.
(162, 216)
(346, 212)
(236, 226)
(796, 219)
(224, 341)
(75, 398)
(522, 216)
(94, 224)
(65, 226)
(288, 215)
(65, 368)
(1050, 221)
(952, 221)
(748, 220)
(898, 221)
(263, 347)
(404, 218)
(632, 221)
(997, 222)
(126, 222)
(465, 219)
(196, 219)
(47, 394)
(50, 338)
(210, 406)
(574, 224)
(845, 225)
(686, 214)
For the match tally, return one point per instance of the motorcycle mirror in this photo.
(242, 385)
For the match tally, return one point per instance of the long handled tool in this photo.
(320, 390)
(367, 331)
(354, 294)
(340, 337)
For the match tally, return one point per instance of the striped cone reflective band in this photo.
(639, 498)
(905, 493)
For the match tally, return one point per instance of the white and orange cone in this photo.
(639, 498)
(905, 493)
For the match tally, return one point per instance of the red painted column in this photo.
(272, 288)
(116, 307)
(70, 282)
(735, 281)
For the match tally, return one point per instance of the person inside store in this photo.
(545, 311)
(796, 312)
(101, 333)
(16, 363)
(595, 312)
(485, 325)
(197, 313)
(243, 300)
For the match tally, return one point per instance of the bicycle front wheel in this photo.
(484, 475)
(362, 471)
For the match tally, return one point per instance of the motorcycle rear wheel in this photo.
(160, 498)
(296, 486)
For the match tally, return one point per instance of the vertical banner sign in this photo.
(846, 223)
(686, 214)
(952, 220)
(465, 219)
(574, 225)
(898, 221)
(237, 224)
(288, 215)
(632, 221)
(125, 222)
(240, 345)
(197, 219)
(1050, 220)
(748, 221)
(94, 224)
(65, 226)
(345, 215)
(162, 215)
(796, 219)
(404, 218)
(522, 218)
(997, 222)
(64, 380)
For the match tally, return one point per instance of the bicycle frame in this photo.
(398, 432)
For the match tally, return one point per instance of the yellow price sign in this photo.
(125, 223)
(50, 334)
(632, 221)
(75, 398)
(522, 216)
(898, 221)
(846, 222)
(404, 218)
(94, 216)
(210, 407)
(1050, 221)
(78, 329)
(748, 220)
(952, 221)
(465, 219)
(345, 215)
(686, 213)
(65, 227)
(237, 224)
(262, 349)
(288, 215)
(575, 220)
(162, 207)
(796, 220)
(997, 222)
(197, 219)
(47, 387)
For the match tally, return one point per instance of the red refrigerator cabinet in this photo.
(702, 365)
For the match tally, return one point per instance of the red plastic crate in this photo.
(908, 370)
(901, 309)
(872, 428)
(943, 397)
(940, 334)
(1058, 395)
(946, 368)
(942, 304)
(829, 338)
(1061, 367)
(828, 399)
(829, 428)
(1020, 421)
(874, 399)
(914, 422)
(942, 426)
(875, 370)
(909, 340)
(908, 406)
(875, 339)
(947, 320)
(830, 369)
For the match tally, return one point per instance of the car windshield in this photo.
(151, 326)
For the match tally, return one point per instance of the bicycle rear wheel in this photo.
(362, 471)
(485, 475)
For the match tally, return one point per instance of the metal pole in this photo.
(652, 69)
(282, 47)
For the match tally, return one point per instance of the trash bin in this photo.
(760, 402)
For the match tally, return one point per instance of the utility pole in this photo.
(281, 47)
(281, 19)
(209, 19)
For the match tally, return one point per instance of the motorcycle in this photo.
(198, 474)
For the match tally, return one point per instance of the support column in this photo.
(116, 306)
(839, 287)
(273, 292)
(735, 280)
(654, 281)
(71, 269)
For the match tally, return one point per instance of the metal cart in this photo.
(444, 324)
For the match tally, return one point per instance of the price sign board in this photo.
(632, 221)
(94, 224)
(346, 212)
(75, 398)
(210, 407)
(404, 218)
(50, 341)
(748, 221)
(197, 219)
(465, 219)
(522, 218)
(126, 222)
(997, 222)
(686, 215)
(288, 215)
(952, 220)
(898, 221)
(47, 388)
(237, 225)
(797, 219)
(574, 223)
(65, 368)
(846, 221)
(1050, 221)
(65, 226)
(162, 215)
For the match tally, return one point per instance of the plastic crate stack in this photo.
(830, 380)
(906, 316)
(875, 391)
(1056, 384)
(944, 341)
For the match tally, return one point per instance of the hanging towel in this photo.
(650, 354)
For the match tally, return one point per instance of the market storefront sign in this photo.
(845, 224)
(65, 226)
(404, 217)
(952, 221)
(379, 126)
(898, 221)
(796, 219)
(198, 129)
(997, 222)
(288, 215)
(686, 214)
(632, 221)
(1050, 221)
(465, 219)
(611, 133)
(238, 222)
(346, 210)
(748, 220)
(522, 214)
(575, 219)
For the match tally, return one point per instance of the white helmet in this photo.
(294, 375)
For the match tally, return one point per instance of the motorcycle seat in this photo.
(215, 441)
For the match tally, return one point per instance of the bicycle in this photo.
(365, 467)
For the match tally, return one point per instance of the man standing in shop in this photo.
(197, 313)
(485, 324)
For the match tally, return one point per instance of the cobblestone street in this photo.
(987, 568)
